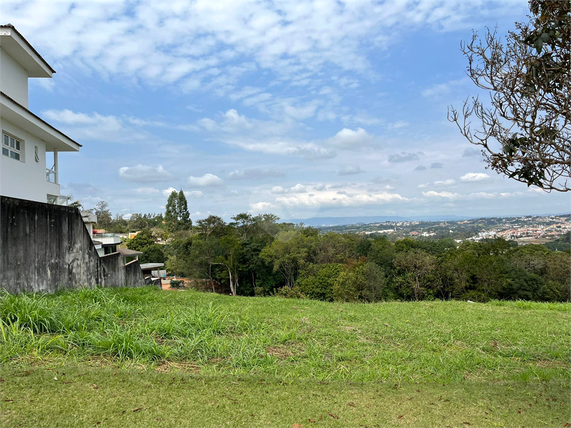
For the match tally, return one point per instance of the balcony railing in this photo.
(51, 175)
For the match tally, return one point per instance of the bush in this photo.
(316, 281)
(290, 293)
(177, 283)
(360, 281)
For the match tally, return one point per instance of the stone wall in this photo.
(44, 248)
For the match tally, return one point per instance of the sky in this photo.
(302, 109)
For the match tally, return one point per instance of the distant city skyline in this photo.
(313, 109)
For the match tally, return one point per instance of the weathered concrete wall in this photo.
(44, 248)
(133, 274)
(113, 270)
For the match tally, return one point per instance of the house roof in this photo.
(151, 266)
(128, 253)
(22, 51)
(20, 116)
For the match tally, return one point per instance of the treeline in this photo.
(257, 255)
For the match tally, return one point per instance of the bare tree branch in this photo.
(525, 129)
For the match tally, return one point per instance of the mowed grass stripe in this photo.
(106, 396)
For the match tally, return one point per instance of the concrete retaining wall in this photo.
(133, 274)
(113, 270)
(44, 248)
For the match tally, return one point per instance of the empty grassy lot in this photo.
(144, 357)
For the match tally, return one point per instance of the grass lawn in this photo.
(145, 357)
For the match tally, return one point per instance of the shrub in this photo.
(290, 293)
(316, 281)
(177, 283)
(360, 281)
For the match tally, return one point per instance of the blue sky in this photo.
(303, 109)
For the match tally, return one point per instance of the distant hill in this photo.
(343, 221)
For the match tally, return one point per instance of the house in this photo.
(29, 164)
(44, 245)
(109, 242)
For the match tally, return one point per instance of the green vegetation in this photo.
(212, 359)
(258, 256)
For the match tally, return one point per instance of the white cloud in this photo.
(332, 198)
(72, 118)
(350, 170)
(449, 182)
(445, 195)
(442, 89)
(347, 139)
(260, 207)
(474, 176)
(279, 190)
(399, 124)
(207, 180)
(255, 173)
(94, 126)
(144, 174)
(483, 195)
(297, 41)
(167, 192)
(264, 136)
(194, 194)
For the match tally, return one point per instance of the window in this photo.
(12, 147)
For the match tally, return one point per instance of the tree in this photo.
(103, 214)
(416, 265)
(211, 225)
(145, 242)
(317, 281)
(184, 221)
(359, 281)
(288, 253)
(526, 133)
(177, 216)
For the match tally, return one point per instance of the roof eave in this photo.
(26, 46)
(38, 122)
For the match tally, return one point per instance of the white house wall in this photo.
(13, 79)
(31, 180)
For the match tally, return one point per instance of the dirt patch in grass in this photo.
(280, 352)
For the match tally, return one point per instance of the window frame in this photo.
(11, 151)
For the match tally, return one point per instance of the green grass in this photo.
(179, 354)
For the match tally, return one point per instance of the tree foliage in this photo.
(177, 217)
(525, 132)
(257, 255)
(103, 214)
(144, 241)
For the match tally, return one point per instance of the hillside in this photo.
(257, 356)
